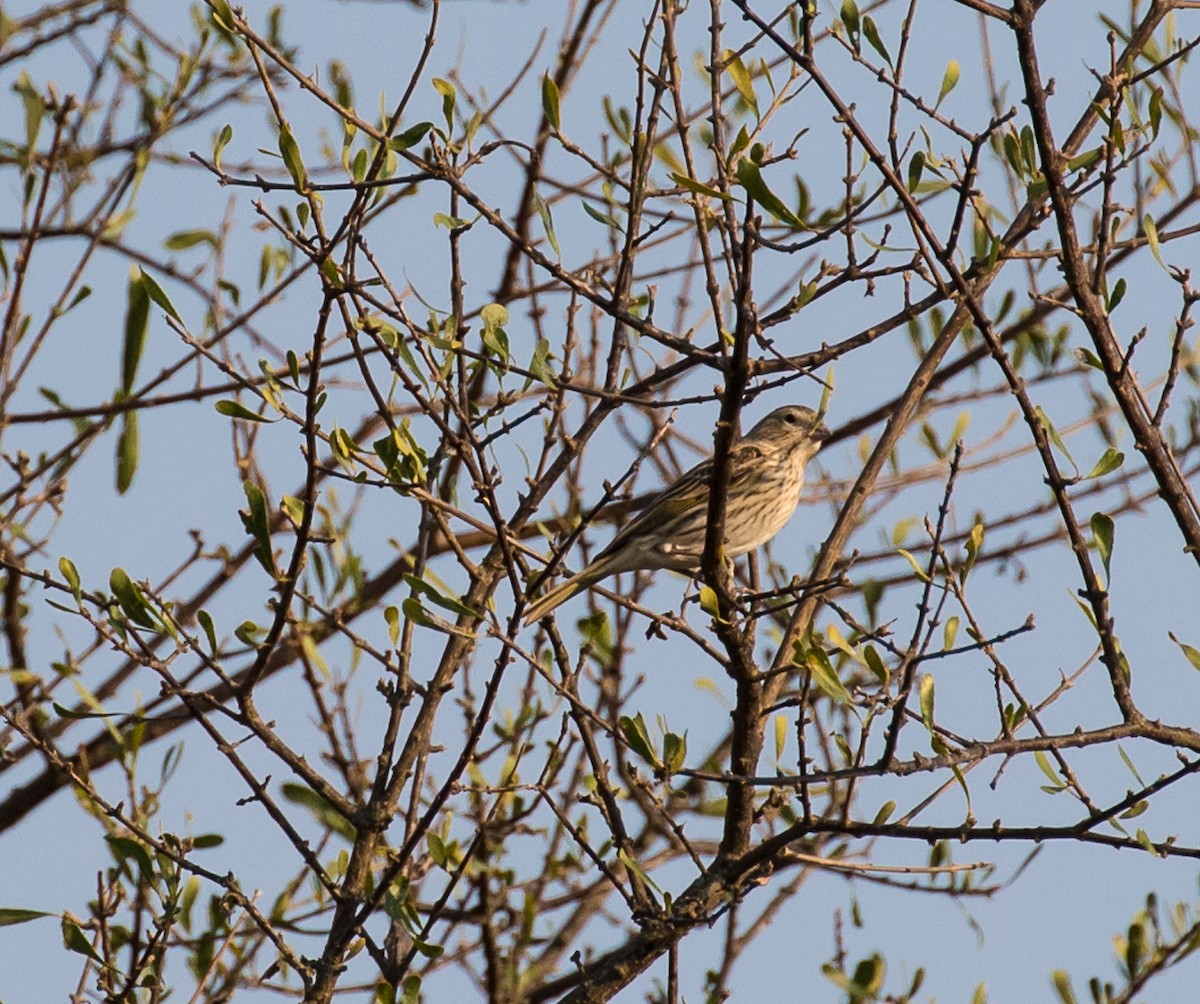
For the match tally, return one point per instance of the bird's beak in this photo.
(820, 431)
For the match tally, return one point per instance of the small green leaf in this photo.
(257, 523)
(915, 167)
(155, 291)
(1102, 532)
(210, 631)
(884, 813)
(949, 81)
(181, 240)
(973, 546)
(1117, 294)
(1151, 229)
(547, 222)
(410, 137)
(781, 732)
(850, 17)
(235, 409)
(1055, 438)
(76, 941)
(71, 574)
(751, 179)
(550, 101)
(1044, 763)
(916, 566)
(871, 34)
(825, 677)
(137, 317)
(442, 600)
(638, 737)
(950, 633)
(1192, 654)
(12, 915)
(219, 144)
(1109, 462)
(925, 690)
(289, 149)
(741, 78)
(127, 451)
(708, 602)
(683, 181)
(449, 96)
(600, 217)
(875, 665)
(131, 598)
(674, 752)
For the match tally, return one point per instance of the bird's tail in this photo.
(562, 592)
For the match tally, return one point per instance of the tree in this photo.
(424, 351)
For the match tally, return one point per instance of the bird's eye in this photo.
(790, 418)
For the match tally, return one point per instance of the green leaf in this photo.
(973, 546)
(674, 752)
(916, 565)
(871, 34)
(741, 78)
(683, 181)
(181, 240)
(751, 179)
(76, 941)
(950, 633)
(71, 574)
(539, 365)
(322, 811)
(600, 217)
(1044, 763)
(1192, 654)
(223, 14)
(1055, 438)
(210, 631)
(258, 525)
(1109, 462)
(875, 665)
(1151, 229)
(925, 690)
(825, 677)
(781, 733)
(850, 17)
(156, 294)
(1117, 295)
(1102, 532)
(410, 137)
(131, 598)
(234, 409)
(439, 599)
(219, 144)
(708, 602)
(547, 222)
(638, 737)
(127, 451)
(1143, 838)
(495, 338)
(884, 813)
(949, 81)
(550, 101)
(915, 167)
(12, 915)
(449, 95)
(289, 149)
(137, 317)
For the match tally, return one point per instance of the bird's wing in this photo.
(689, 491)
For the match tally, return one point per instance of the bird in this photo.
(766, 474)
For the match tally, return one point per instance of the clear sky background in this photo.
(1062, 911)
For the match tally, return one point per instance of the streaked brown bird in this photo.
(766, 473)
